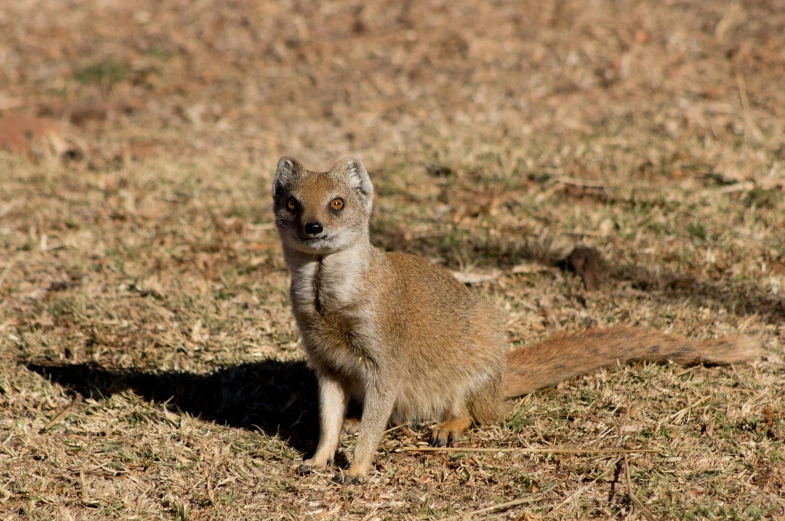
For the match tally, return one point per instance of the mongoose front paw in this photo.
(304, 469)
(344, 478)
(309, 465)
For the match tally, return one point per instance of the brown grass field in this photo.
(149, 364)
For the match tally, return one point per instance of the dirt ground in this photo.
(149, 364)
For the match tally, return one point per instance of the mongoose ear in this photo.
(284, 174)
(357, 175)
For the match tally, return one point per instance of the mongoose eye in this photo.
(337, 204)
(291, 204)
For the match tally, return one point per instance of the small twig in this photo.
(678, 415)
(500, 506)
(210, 493)
(61, 415)
(399, 426)
(529, 450)
(687, 371)
(6, 270)
(4, 494)
(572, 497)
(476, 278)
(749, 124)
(635, 501)
(738, 378)
(83, 485)
(616, 474)
(579, 182)
(584, 234)
(738, 187)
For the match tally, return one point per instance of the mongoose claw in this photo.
(304, 469)
(439, 438)
(343, 478)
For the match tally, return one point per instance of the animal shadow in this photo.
(275, 397)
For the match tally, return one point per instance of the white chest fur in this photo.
(335, 311)
(327, 283)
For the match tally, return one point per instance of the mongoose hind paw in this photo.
(351, 426)
(447, 433)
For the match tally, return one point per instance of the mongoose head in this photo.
(322, 212)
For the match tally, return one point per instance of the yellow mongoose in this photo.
(405, 338)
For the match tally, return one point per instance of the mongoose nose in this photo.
(313, 228)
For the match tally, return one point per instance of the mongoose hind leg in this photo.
(447, 432)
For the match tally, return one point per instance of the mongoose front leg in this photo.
(333, 400)
(379, 402)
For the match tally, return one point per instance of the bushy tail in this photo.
(570, 354)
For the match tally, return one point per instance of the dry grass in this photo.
(150, 367)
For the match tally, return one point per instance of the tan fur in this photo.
(24, 133)
(408, 340)
(569, 354)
